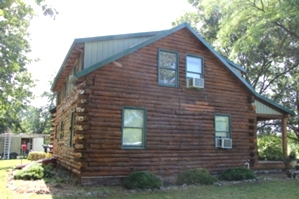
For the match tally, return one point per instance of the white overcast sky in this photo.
(51, 39)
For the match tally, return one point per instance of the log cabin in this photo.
(162, 102)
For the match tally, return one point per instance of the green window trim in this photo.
(61, 130)
(61, 126)
(72, 128)
(133, 129)
(193, 73)
(56, 131)
(170, 70)
(64, 90)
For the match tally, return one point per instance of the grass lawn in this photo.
(278, 188)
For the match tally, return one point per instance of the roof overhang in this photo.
(159, 35)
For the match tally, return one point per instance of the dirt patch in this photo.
(60, 184)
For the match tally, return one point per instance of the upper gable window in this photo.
(194, 66)
(168, 68)
(194, 71)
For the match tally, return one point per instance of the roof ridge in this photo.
(161, 34)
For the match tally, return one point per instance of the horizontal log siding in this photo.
(61, 145)
(180, 121)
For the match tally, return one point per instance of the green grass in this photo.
(274, 189)
(5, 167)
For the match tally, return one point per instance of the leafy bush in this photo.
(34, 171)
(142, 180)
(36, 155)
(193, 176)
(48, 170)
(269, 147)
(237, 173)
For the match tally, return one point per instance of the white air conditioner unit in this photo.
(225, 143)
(196, 83)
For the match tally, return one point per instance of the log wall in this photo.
(61, 124)
(180, 121)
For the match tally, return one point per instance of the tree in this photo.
(262, 36)
(38, 119)
(15, 81)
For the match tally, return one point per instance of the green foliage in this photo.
(48, 170)
(34, 171)
(142, 180)
(61, 180)
(36, 155)
(291, 157)
(293, 142)
(37, 120)
(15, 81)
(263, 37)
(269, 147)
(195, 176)
(237, 173)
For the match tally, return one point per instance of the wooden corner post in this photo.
(284, 136)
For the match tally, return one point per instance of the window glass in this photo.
(168, 60)
(168, 68)
(194, 64)
(222, 123)
(194, 67)
(132, 137)
(167, 76)
(193, 75)
(133, 118)
(222, 126)
(133, 132)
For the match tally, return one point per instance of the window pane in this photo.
(167, 76)
(222, 134)
(167, 60)
(132, 136)
(194, 64)
(133, 118)
(193, 75)
(222, 123)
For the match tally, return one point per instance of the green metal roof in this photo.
(100, 38)
(161, 34)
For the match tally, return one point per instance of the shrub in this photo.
(142, 180)
(194, 176)
(237, 173)
(48, 170)
(269, 147)
(34, 171)
(36, 155)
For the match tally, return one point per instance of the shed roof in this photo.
(159, 35)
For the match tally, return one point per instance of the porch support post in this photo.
(284, 137)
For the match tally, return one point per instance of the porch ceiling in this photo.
(266, 112)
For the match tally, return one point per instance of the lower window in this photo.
(133, 127)
(223, 131)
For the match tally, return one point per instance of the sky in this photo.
(51, 39)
